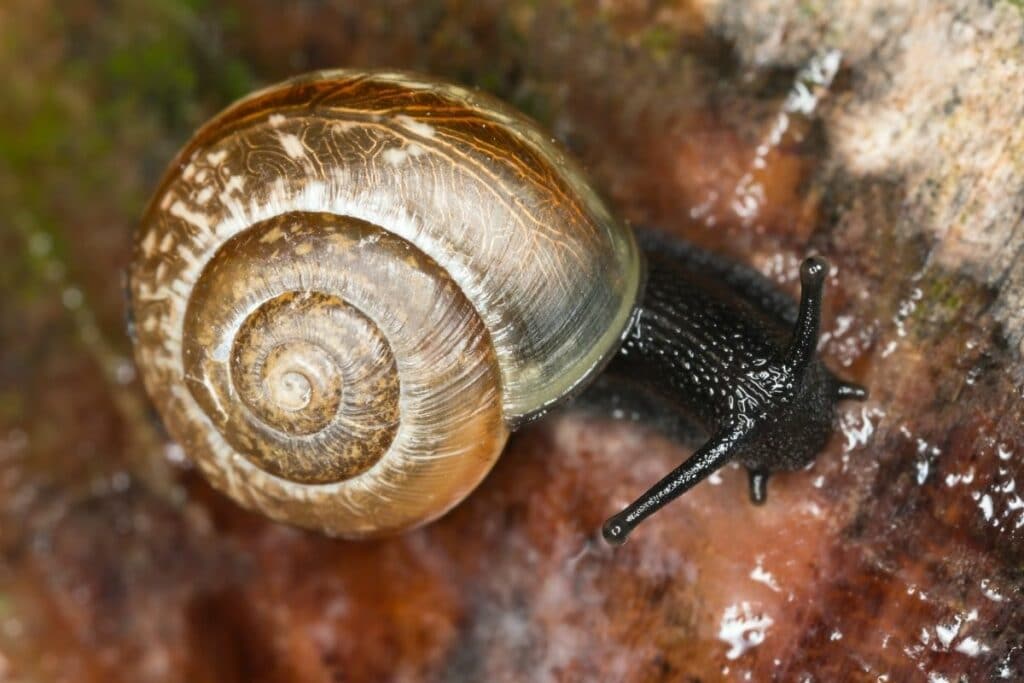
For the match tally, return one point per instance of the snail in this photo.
(350, 288)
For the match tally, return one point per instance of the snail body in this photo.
(349, 288)
(716, 342)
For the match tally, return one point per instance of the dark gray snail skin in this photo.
(718, 343)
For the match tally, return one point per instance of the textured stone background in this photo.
(898, 556)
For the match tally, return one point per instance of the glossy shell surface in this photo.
(348, 287)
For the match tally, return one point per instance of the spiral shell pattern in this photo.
(349, 287)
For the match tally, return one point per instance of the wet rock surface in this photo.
(888, 140)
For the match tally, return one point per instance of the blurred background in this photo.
(887, 137)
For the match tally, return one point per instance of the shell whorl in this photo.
(349, 384)
(350, 286)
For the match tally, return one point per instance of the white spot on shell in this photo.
(272, 236)
(344, 126)
(395, 156)
(199, 220)
(276, 120)
(217, 158)
(149, 243)
(220, 353)
(415, 127)
(292, 146)
(186, 255)
(292, 392)
(235, 184)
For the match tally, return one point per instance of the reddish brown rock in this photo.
(897, 556)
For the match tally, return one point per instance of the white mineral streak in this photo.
(761, 575)
(811, 83)
(950, 637)
(858, 427)
(971, 647)
(742, 629)
(989, 592)
(204, 195)
(986, 506)
(965, 478)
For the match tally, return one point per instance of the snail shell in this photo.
(350, 287)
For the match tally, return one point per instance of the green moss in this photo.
(11, 409)
(810, 9)
(77, 134)
(535, 104)
(945, 293)
(153, 71)
(235, 79)
(491, 80)
(659, 41)
(946, 299)
(44, 253)
(169, 64)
